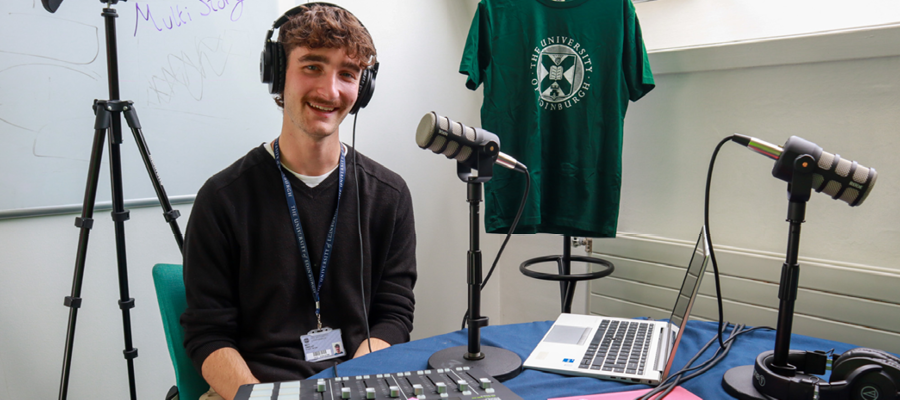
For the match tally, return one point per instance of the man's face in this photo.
(320, 88)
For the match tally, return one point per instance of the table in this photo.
(538, 385)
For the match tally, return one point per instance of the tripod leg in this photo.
(85, 223)
(119, 216)
(169, 214)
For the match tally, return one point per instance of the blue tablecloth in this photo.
(537, 385)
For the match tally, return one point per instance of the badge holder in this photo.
(323, 344)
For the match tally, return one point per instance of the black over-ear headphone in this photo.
(858, 374)
(273, 61)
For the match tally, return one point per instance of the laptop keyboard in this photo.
(618, 346)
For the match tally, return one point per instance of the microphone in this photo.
(837, 177)
(461, 143)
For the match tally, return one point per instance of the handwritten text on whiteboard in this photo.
(160, 19)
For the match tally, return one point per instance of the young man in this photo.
(275, 279)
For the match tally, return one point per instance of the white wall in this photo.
(847, 107)
(675, 24)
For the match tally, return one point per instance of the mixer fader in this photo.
(461, 383)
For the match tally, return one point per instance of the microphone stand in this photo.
(108, 121)
(740, 381)
(500, 363)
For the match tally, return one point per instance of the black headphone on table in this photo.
(273, 61)
(858, 374)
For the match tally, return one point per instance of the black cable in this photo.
(728, 343)
(717, 356)
(737, 331)
(712, 252)
(665, 384)
(512, 229)
(675, 379)
(687, 366)
(362, 280)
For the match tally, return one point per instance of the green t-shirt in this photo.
(557, 75)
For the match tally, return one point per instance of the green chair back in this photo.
(169, 282)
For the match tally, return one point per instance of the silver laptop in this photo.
(619, 348)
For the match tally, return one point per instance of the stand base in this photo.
(500, 363)
(738, 382)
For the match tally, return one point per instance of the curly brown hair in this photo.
(325, 26)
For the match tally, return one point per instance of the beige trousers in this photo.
(211, 395)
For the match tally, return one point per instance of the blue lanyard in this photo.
(298, 230)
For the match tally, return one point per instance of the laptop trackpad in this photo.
(567, 334)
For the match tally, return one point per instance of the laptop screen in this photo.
(689, 288)
(691, 285)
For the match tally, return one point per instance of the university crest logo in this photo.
(562, 72)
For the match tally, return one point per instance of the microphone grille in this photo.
(437, 143)
(844, 179)
(861, 174)
(843, 167)
(425, 131)
(825, 160)
(451, 148)
(868, 189)
(817, 181)
(832, 188)
(463, 154)
(849, 195)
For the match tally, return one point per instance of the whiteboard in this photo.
(190, 66)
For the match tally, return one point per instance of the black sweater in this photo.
(246, 284)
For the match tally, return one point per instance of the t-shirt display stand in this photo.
(566, 278)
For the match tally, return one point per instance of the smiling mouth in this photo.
(322, 108)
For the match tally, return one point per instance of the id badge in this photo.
(323, 344)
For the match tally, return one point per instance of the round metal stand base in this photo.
(500, 363)
(738, 382)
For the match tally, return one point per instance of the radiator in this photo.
(851, 303)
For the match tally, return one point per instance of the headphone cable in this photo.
(362, 281)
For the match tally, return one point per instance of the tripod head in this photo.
(53, 5)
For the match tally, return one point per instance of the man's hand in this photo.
(377, 344)
(225, 371)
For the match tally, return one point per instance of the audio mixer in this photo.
(461, 383)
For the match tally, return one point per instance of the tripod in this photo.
(108, 121)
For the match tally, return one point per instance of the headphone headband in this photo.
(299, 9)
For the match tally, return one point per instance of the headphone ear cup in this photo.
(267, 69)
(279, 66)
(870, 382)
(366, 88)
(855, 366)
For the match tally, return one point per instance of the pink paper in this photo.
(679, 393)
